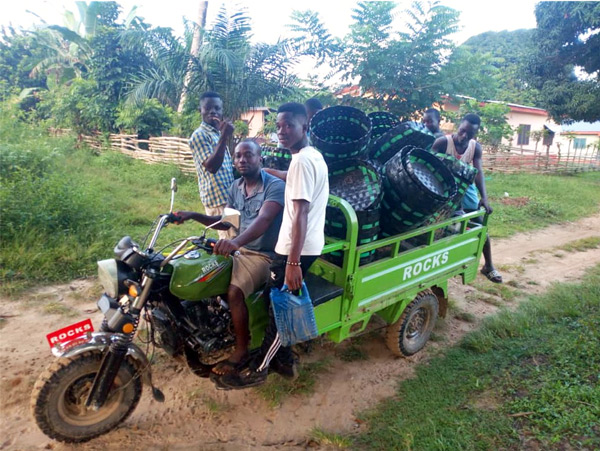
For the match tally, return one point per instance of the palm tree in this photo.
(244, 74)
(68, 49)
(194, 51)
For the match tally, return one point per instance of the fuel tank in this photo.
(198, 275)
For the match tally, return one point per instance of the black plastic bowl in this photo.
(392, 141)
(340, 132)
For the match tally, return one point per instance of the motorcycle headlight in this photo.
(111, 275)
(108, 276)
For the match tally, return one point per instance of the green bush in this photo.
(78, 106)
(146, 118)
(62, 207)
(185, 123)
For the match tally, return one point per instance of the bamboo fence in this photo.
(162, 149)
(175, 150)
(518, 160)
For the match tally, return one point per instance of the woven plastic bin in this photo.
(416, 186)
(464, 175)
(391, 142)
(276, 158)
(382, 121)
(340, 133)
(368, 231)
(359, 183)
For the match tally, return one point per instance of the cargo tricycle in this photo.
(96, 381)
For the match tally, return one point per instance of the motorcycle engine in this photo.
(165, 332)
(213, 337)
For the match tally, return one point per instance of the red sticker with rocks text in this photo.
(70, 332)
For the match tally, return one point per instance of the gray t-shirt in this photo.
(272, 189)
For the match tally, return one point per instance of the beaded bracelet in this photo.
(293, 263)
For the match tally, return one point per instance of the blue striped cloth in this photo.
(214, 188)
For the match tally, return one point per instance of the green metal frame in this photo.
(387, 285)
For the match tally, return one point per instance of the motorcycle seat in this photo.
(321, 290)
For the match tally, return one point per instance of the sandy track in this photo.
(196, 416)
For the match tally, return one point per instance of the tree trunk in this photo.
(194, 51)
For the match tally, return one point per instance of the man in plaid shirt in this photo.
(213, 163)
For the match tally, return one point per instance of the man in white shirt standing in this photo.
(300, 242)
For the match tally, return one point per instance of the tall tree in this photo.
(566, 64)
(245, 74)
(194, 51)
(400, 71)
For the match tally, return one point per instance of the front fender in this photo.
(100, 341)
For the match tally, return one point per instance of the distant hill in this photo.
(509, 52)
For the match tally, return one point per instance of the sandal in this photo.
(225, 367)
(492, 275)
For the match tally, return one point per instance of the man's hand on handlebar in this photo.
(226, 247)
(179, 217)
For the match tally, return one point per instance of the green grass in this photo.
(552, 199)
(57, 308)
(501, 290)
(582, 245)
(352, 353)
(525, 380)
(277, 389)
(328, 440)
(62, 207)
(466, 317)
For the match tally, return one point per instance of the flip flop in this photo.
(493, 275)
(225, 367)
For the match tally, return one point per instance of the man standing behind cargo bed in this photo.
(463, 146)
(301, 239)
(211, 156)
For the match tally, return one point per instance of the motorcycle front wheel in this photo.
(59, 395)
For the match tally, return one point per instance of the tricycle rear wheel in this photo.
(410, 333)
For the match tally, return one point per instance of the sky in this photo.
(269, 18)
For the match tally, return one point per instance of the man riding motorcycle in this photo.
(259, 197)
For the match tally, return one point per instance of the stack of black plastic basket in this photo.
(342, 135)
(359, 184)
(416, 186)
(393, 140)
(276, 157)
(382, 122)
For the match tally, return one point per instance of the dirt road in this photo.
(196, 416)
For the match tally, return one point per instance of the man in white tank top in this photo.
(463, 146)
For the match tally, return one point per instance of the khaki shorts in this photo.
(251, 271)
(229, 234)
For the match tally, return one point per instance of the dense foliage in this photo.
(62, 206)
(565, 66)
(86, 74)
(90, 74)
(398, 71)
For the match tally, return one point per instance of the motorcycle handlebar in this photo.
(173, 218)
(209, 244)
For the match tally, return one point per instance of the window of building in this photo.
(579, 143)
(523, 138)
(548, 136)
